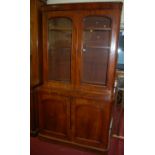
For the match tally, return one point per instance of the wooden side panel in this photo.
(54, 115)
(35, 41)
(90, 120)
(32, 124)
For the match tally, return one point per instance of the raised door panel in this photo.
(90, 122)
(54, 115)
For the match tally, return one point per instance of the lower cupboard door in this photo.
(90, 122)
(54, 116)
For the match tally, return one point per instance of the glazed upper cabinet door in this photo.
(54, 115)
(97, 49)
(58, 48)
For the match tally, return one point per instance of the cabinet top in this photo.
(83, 6)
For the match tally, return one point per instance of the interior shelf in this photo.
(59, 48)
(105, 47)
(97, 29)
(60, 29)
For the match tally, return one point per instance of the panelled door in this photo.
(54, 115)
(89, 122)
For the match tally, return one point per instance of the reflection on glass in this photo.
(120, 60)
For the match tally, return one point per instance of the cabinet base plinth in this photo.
(73, 144)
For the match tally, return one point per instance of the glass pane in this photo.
(57, 23)
(96, 46)
(97, 22)
(59, 50)
(95, 65)
(97, 38)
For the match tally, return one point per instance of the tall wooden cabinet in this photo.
(35, 56)
(79, 60)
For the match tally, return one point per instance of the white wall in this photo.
(76, 1)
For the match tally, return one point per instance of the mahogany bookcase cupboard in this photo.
(79, 59)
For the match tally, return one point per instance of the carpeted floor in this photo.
(38, 147)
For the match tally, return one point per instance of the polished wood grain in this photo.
(84, 6)
(89, 122)
(77, 111)
(35, 57)
(32, 112)
(54, 115)
(34, 126)
(35, 41)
